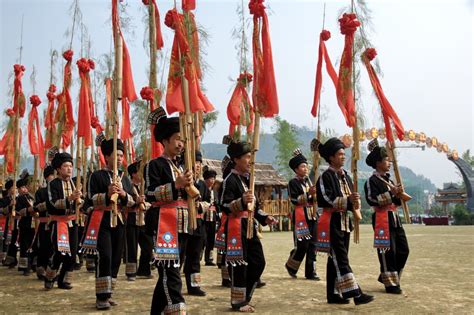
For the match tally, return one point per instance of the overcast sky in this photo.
(425, 50)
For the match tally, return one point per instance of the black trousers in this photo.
(304, 248)
(245, 277)
(339, 276)
(192, 266)
(12, 248)
(137, 236)
(167, 295)
(25, 238)
(45, 247)
(209, 240)
(57, 260)
(393, 261)
(110, 243)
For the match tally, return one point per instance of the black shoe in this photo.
(260, 284)
(210, 263)
(336, 299)
(226, 283)
(196, 292)
(64, 286)
(393, 290)
(363, 299)
(314, 277)
(48, 285)
(290, 272)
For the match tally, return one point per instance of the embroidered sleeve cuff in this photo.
(302, 200)
(147, 205)
(128, 201)
(164, 193)
(384, 199)
(340, 203)
(236, 205)
(99, 199)
(60, 204)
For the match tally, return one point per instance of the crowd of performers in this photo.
(60, 228)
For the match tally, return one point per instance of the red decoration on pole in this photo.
(181, 49)
(147, 94)
(323, 53)
(7, 143)
(85, 101)
(35, 139)
(159, 36)
(19, 101)
(388, 113)
(49, 118)
(64, 113)
(240, 110)
(265, 98)
(345, 96)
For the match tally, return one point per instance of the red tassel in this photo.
(147, 94)
(19, 101)
(49, 118)
(345, 95)
(35, 140)
(85, 102)
(389, 114)
(323, 53)
(265, 96)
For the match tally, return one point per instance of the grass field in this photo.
(438, 278)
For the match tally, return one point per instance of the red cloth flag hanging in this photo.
(157, 149)
(49, 118)
(239, 110)
(159, 36)
(181, 49)
(125, 131)
(19, 101)
(345, 95)
(189, 5)
(7, 143)
(265, 98)
(128, 86)
(35, 139)
(388, 113)
(85, 101)
(64, 113)
(323, 53)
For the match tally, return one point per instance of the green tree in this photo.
(466, 156)
(286, 142)
(462, 216)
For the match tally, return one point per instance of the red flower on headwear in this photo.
(35, 100)
(325, 35)
(147, 93)
(91, 64)
(370, 53)
(10, 112)
(68, 55)
(256, 7)
(348, 23)
(169, 20)
(83, 65)
(245, 78)
(18, 68)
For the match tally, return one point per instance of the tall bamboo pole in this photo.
(406, 210)
(255, 147)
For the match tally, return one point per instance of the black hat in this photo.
(330, 148)
(8, 184)
(237, 149)
(297, 159)
(376, 154)
(198, 156)
(209, 173)
(165, 127)
(61, 158)
(133, 168)
(48, 170)
(107, 146)
(24, 179)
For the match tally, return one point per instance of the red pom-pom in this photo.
(83, 65)
(35, 100)
(256, 7)
(10, 112)
(325, 35)
(348, 23)
(370, 53)
(91, 64)
(245, 78)
(146, 2)
(147, 93)
(68, 55)
(18, 68)
(169, 20)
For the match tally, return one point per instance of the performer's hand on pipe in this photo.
(270, 220)
(354, 197)
(248, 197)
(184, 179)
(312, 190)
(396, 190)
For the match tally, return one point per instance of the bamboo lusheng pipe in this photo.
(79, 158)
(118, 96)
(403, 195)
(17, 165)
(398, 177)
(84, 179)
(255, 147)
